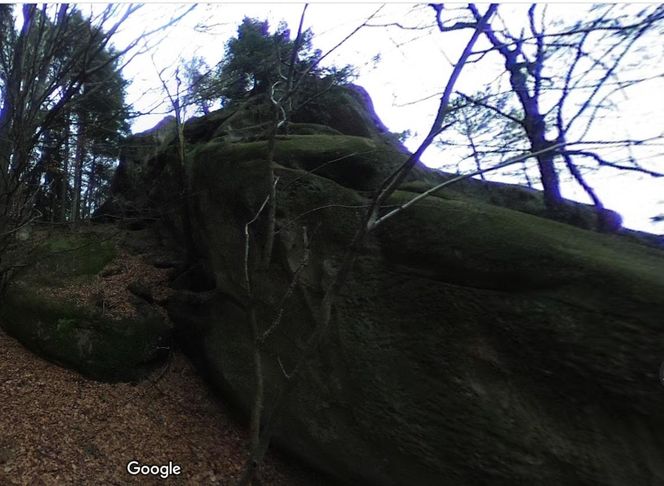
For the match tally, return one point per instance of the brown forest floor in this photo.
(59, 428)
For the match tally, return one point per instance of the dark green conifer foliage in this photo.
(256, 62)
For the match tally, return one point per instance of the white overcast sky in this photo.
(413, 65)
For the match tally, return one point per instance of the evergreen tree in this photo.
(256, 62)
(58, 78)
(101, 114)
(251, 60)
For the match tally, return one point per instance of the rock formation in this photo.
(476, 342)
(70, 303)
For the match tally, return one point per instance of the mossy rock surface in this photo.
(473, 344)
(475, 341)
(77, 333)
(311, 129)
(354, 162)
(70, 255)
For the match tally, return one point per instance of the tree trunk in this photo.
(78, 169)
(535, 127)
(87, 200)
(533, 119)
(11, 104)
(64, 181)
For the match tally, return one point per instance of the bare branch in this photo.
(330, 51)
(490, 107)
(391, 183)
(431, 191)
(601, 161)
(438, 9)
(291, 288)
(582, 182)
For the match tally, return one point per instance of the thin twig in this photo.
(510, 161)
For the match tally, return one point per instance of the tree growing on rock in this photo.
(560, 90)
(256, 59)
(374, 215)
(276, 88)
(264, 417)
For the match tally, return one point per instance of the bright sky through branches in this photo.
(398, 67)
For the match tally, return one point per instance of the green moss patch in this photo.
(66, 255)
(499, 248)
(50, 306)
(354, 162)
(82, 337)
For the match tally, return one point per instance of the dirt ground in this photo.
(59, 428)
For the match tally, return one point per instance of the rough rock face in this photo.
(472, 344)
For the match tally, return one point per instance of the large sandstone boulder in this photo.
(475, 342)
(472, 344)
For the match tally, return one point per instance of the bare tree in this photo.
(562, 80)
